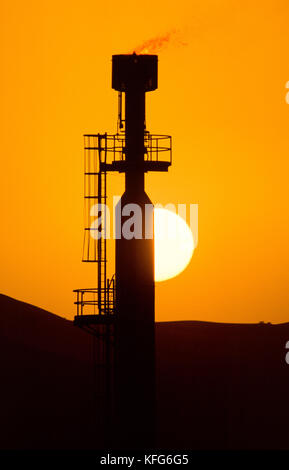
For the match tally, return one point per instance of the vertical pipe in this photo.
(135, 372)
(134, 139)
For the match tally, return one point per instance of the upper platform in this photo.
(112, 151)
(122, 166)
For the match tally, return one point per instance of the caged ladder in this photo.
(95, 305)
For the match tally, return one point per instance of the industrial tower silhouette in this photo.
(120, 312)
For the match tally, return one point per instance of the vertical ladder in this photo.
(101, 243)
(94, 248)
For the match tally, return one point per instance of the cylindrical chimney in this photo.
(135, 297)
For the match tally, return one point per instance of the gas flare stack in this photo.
(120, 311)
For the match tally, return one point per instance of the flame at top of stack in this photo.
(131, 71)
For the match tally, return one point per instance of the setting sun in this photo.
(174, 244)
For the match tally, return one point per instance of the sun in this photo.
(174, 244)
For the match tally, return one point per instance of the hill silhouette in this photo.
(219, 386)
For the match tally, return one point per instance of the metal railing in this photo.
(114, 144)
(88, 300)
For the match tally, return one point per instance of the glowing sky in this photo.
(221, 97)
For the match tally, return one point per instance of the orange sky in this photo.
(221, 97)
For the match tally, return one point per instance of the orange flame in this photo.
(155, 45)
